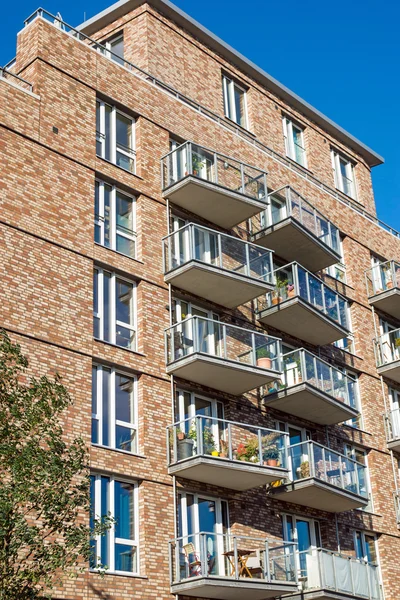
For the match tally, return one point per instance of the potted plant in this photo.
(304, 469)
(248, 452)
(208, 438)
(291, 292)
(277, 296)
(340, 386)
(263, 357)
(197, 164)
(185, 446)
(224, 448)
(271, 456)
(180, 434)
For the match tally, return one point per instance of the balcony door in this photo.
(394, 396)
(306, 534)
(390, 350)
(275, 213)
(204, 521)
(190, 404)
(298, 459)
(197, 335)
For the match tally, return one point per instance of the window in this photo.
(365, 547)
(354, 397)
(115, 47)
(343, 173)
(114, 219)
(235, 103)
(118, 548)
(114, 415)
(306, 533)
(394, 428)
(115, 136)
(294, 142)
(360, 456)
(114, 312)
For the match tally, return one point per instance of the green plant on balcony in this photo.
(249, 451)
(263, 357)
(209, 446)
(397, 342)
(280, 290)
(304, 469)
(271, 455)
(197, 164)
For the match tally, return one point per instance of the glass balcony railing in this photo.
(301, 366)
(392, 419)
(294, 281)
(327, 570)
(194, 242)
(232, 557)
(190, 159)
(287, 203)
(387, 348)
(223, 341)
(383, 277)
(309, 459)
(397, 506)
(208, 436)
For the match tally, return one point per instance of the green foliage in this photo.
(44, 484)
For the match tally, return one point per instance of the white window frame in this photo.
(216, 427)
(290, 149)
(101, 135)
(100, 218)
(108, 44)
(364, 544)
(228, 90)
(113, 320)
(336, 157)
(111, 539)
(350, 451)
(355, 377)
(97, 371)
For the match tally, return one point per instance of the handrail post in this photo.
(216, 168)
(324, 462)
(199, 435)
(242, 176)
(230, 449)
(235, 557)
(341, 472)
(260, 450)
(219, 241)
(352, 577)
(267, 563)
(190, 158)
(247, 260)
(253, 346)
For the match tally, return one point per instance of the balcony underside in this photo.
(292, 241)
(308, 402)
(223, 588)
(216, 204)
(234, 475)
(217, 285)
(314, 493)
(301, 320)
(324, 594)
(388, 302)
(223, 375)
(394, 445)
(391, 370)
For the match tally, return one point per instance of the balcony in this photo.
(392, 422)
(295, 230)
(231, 567)
(383, 285)
(312, 389)
(397, 507)
(213, 186)
(225, 453)
(387, 353)
(323, 479)
(221, 356)
(304, 307)
(221, 268)
(326, 575)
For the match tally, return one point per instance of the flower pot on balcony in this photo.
(276, 299)
(271, 462)
(180, 435)
(291, 292)
(223, 455)
(215, 453)
(185, 449)
(264, 363)
(389, 285)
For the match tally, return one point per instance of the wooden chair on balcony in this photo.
(193, 559)
(253, 565)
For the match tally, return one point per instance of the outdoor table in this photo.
(243, 556)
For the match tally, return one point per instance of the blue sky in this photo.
(342, 57)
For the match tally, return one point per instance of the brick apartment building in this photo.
(195, 249)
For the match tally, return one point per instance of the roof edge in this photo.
(121, 7)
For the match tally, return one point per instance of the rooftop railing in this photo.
(383, 277)
(219, 438)
(293, 281)
(301, 366)
(214, 167)
(228, 342)
(194, 242)
(324, 569)
(285, 203)
(387, 348)
(233, 557)
(392, 420)
(16, 79)
(309, 459)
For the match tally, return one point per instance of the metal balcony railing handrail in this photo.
(297, 265)
(330, 450)
(321, 360)
(237, 327)
(392, 424)
(226, 421)
(396, 497)
(253, 538)
(338, 553)
(382, 277)
(264, 256)
(19, 81)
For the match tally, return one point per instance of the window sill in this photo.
(119, 253)
(109, 162)
(118, 450)
(119, 347)
(117, 573)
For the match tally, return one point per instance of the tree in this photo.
(44, 484)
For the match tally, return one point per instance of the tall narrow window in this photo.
(235, 103)
(360, 456)
(343, 174)
(114, 219)
(115, 136)
(118, 548)
(294, 142)
(114, 309)
(365, 547)
(113, 409)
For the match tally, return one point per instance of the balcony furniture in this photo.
(213, 186)
(383, 287)
(295, 230)
(192, 558)
(242, 558)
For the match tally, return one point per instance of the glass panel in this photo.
(105, 509)
(124, 301)
(125, 558)
(124, 131)
(107, 132)
(124, 513)
(96, 319)
(125, 438)
(240, 106)
(97, 230)
(106, 417)
(106, 306)
(98, 130)
(124, 399)
(95, 422)
(117, 49)
(107, 214)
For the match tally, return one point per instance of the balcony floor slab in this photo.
(394, 445)
(324, 594)
(387, 301)
(223, 588)
(301, 320)
(234, 475)
(214, 203)
(226, 376)
(217, 285)
(391, 370)
(318, 494)
(308, 402)
(291, 241)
